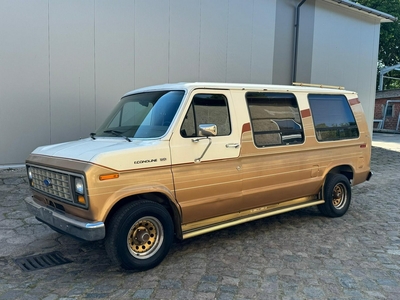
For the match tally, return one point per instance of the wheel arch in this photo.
(157, 197)
(336, 193)
(346, 170)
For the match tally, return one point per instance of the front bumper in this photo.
(69, 224)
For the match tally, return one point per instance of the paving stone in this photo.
(225, 296)
(207, 287)
(143, 294)
(171, 284)
(209, 278)
(13, 180)
(51, 297)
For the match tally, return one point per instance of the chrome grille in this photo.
(51, 182)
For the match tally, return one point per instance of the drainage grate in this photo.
(41, 261)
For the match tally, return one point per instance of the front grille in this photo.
(51, 182)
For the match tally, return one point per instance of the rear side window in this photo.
(275, 119)
(333, 118)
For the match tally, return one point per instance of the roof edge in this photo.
(387, 94)
(189, 86)
(384, 17)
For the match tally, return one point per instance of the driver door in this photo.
(206, 169)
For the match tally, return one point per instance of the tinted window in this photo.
(333, 118)
(207, 109)
(275, 119)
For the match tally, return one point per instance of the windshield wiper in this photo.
(117, 133)
(92, 134)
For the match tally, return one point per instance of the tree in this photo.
(389, 41)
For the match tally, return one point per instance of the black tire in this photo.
(139, 235)
(337, 196)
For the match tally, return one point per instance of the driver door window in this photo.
(206, 109)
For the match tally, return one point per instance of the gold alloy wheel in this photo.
(145, 237)
(339, 195)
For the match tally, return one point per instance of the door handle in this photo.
(232, 145)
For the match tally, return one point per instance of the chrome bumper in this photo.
(69, 224)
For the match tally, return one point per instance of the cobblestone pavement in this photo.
(298, 255)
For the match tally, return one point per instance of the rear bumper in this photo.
(69, 224)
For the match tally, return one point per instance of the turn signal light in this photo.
(108, 176)
(81, 199)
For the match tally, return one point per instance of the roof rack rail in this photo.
(319, 85)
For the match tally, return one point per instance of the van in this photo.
(180, 160)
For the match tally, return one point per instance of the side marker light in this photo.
(109, 176)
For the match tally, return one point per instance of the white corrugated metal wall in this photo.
(64, 64)
(353, 42)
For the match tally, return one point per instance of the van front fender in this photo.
(139, 191)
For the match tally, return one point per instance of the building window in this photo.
(275, 119)
(389, 111)
(332, 117)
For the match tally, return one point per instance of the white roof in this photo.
(189, 86)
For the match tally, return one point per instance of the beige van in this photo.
(180, 160)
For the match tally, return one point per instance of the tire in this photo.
(139, 235)
(337, 196)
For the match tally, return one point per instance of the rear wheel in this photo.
(139, 235)
(337, 196)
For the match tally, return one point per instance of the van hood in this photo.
(115, 153)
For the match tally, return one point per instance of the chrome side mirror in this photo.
(207, 130)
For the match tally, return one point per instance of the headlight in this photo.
(79, 187)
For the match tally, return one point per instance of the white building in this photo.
(64, 64)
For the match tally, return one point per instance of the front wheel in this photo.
(337, 196)
(139, 235)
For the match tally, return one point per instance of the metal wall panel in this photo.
(306, 42)
(184, 42)
(213, 40)
(151, 42)
(239, 50)
(263, 36)
(71, 44)
(24, 79)
(114, 55)
(345, 52)
(283, 42)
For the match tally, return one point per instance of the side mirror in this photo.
(207, 130)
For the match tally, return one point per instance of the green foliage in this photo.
(389, 51)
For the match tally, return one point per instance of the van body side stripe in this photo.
(246, 127)
(354, 101)
(305, 113)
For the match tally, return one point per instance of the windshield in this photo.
(144, 115)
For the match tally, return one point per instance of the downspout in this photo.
(296, 39)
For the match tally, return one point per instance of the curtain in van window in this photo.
(275, 119)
